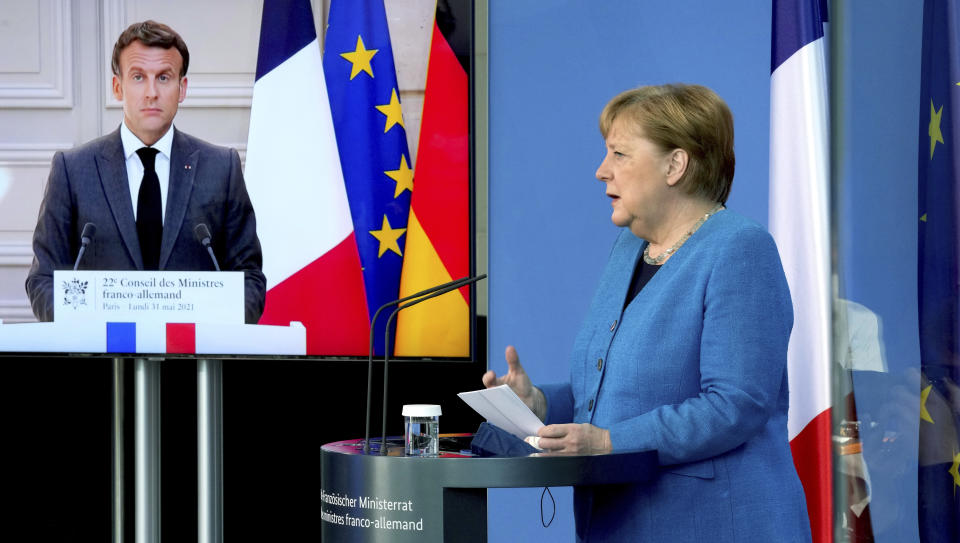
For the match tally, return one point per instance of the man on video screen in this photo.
(147, 186)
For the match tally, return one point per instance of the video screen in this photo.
(347, 218)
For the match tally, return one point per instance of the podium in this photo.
(148, 343)
(373, 497)
(150, 316)
(154, 339)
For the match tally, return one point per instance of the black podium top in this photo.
(455, 467)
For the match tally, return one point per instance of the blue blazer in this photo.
(89, 184)
(694, 367)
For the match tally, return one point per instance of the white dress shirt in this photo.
(135, 168)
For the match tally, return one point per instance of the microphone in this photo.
(86, 236)
(452, 285)
(437, 291)
(202, 233)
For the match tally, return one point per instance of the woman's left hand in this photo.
(574, 439)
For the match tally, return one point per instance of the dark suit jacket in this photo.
(89, 184)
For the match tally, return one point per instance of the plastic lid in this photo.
(421, 410)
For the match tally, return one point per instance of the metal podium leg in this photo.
(146, 376)
(209, 451)
(116, 457)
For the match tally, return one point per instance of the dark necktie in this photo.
(149, 216)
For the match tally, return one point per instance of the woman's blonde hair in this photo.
(688, 117)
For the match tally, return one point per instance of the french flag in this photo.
(799, 221)
(131, 337)
(296, 184)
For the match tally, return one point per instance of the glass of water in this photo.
(421, 429)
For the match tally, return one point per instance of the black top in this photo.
(642, 274)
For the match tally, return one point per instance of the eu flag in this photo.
(372, 141)
(939, 452)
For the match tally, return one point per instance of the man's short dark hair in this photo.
(151, 34)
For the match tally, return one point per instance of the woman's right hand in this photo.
(518, 380)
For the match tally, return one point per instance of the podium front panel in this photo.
(373, 497)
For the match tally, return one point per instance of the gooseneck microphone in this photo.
(202, 233)
(435, 291)
(86, 236)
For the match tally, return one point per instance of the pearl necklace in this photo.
(666, 254)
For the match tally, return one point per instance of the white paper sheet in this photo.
(502, 407)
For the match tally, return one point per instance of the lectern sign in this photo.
(148, 296)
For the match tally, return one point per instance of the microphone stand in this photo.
(455, 284)
(86, 236)
(202, 233)
(83, 249)
(442, 289)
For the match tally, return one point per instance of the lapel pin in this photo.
(186, 166)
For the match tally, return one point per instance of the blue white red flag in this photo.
(295, 181)
(799, 221)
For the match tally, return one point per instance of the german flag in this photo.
(438, 231)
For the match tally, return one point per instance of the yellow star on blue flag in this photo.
(403, 176)
(392, 111)
(936, 136)
(360, 59)
(388, 236)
